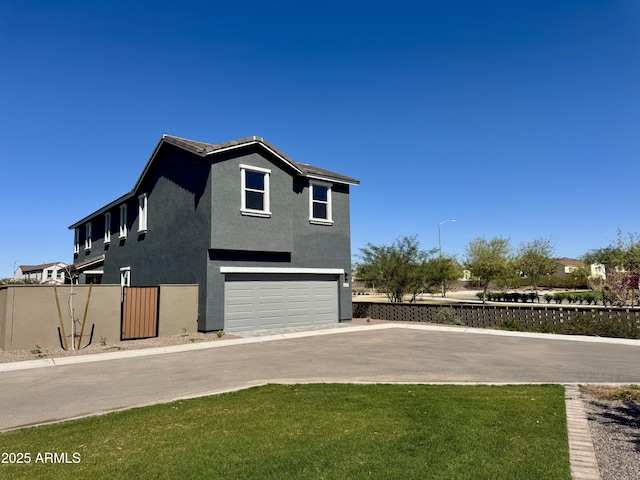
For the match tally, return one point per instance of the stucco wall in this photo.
(29, 315)
(32, 315)
(178, 309)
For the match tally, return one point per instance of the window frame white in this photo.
(125, 277)
(107, 228)
(76, 241)
(328, 203)
(122, 231)
(87, 236)
(266, 204)
(142, 213)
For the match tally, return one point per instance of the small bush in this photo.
(586, 324)
(36, 349)
(548, 297)
(559, 297)
(448, 316)
(480, 295)
(547, 327)
(510, 324)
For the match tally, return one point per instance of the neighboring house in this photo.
(45, 273)
(598, 271)
(569, 265)
(267, 239)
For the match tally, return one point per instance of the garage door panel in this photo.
(296, 292)
(254, 304)
(269, 306)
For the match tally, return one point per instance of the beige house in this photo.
(51, 273)
(569, 265)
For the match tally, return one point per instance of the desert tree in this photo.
(396, 269)
(488, 260)
(442, 271)
(534, 260)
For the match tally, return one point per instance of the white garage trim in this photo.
(317, 271)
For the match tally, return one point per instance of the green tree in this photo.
(580, 276)
(396, 269)
(442, 272)
(488, 260)
(534, 260)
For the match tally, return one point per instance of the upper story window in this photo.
(76, 241)
(87, 236)
(320, 210)
(142, 213)
(107, 227)
(123, 221)
(255, 191)
(49, 274)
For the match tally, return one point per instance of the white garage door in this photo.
(257, 304)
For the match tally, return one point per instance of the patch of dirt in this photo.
(97, 347)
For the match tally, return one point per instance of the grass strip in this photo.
(315, 431)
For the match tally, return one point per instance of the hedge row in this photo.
(578, 298)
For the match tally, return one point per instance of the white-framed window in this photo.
(142, 213)
(76, 241)
(59, 274)
(107, 228)
(320, 209)
(87, 236)
(123, 221)
(49, 274)
(255, 191)
(125, 277)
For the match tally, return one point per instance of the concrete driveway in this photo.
(71, 387)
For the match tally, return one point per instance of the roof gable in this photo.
(206, 149)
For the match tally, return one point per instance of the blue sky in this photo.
(517, 119)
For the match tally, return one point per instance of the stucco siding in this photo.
(230, 228)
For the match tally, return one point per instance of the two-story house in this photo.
(267, 239)
(45, 273)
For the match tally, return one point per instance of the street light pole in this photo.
(440, 248)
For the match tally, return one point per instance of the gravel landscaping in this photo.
(615, 431)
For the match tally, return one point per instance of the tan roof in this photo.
(569, 262)
(38, 268)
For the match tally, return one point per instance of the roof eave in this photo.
(104, 209)
(327, 178)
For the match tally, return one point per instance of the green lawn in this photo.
(315, 431)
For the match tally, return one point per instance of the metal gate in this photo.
(139, 312)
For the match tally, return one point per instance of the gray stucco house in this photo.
(267, 239)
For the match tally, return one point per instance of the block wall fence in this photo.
(487, 316)
(29, 313)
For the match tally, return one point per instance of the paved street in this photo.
(368, 353)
